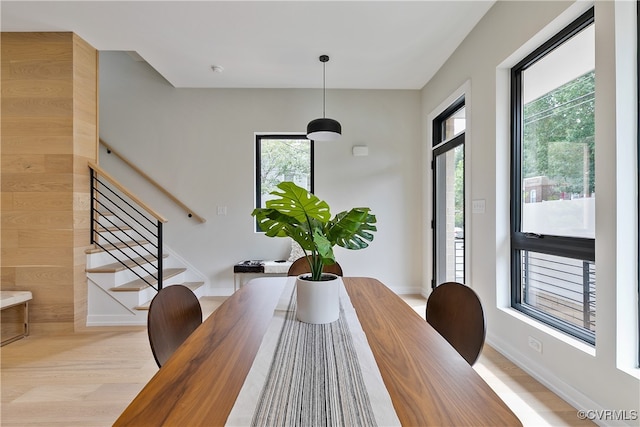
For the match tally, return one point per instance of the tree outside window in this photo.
(282, 158)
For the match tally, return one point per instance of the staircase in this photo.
(117, 294)
(128, 262)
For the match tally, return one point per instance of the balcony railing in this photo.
(459, 263)
(561, 287)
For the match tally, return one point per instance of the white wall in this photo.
(600, 378)
(199, 144)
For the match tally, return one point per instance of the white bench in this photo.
(11, 299)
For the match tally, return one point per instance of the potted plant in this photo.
(302, 216)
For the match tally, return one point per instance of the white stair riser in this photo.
(125, 276)
(112, 280)
(98, 259)
(108, 281)
(117, 236)
(130, 299)
(134, 299)
(101, 258)
(108, 220)
(199, 292)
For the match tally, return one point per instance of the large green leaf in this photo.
(272, 222)
(353, 229)
(276, 224)
(298, 203)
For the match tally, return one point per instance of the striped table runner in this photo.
(312, 375)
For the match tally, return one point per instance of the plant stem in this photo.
(315, 262)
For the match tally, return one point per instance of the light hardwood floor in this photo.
(87, 379)
(531, 401)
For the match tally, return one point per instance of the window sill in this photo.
(545, 329)
(633, 372)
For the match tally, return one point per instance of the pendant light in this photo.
(323, 129)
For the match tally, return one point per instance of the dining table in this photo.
(215, 375)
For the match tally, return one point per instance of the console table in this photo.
(247, 270)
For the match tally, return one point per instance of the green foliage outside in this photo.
(459, 186)
(284, 160)
(558, 137)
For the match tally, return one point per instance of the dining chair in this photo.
(174, 314)
(301, 266)
(455, 311)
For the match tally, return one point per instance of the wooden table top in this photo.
(428, 381)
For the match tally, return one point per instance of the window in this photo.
(553, 187)
(282, 158)
(448, 192)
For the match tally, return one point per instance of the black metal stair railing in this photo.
(126, 230)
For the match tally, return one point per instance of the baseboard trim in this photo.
(115, 320)
(566, 391)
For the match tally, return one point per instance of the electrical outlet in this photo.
(222, 210)
(535, 344)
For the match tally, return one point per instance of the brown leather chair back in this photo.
(455, 311)
(301, 266)
(174, 314)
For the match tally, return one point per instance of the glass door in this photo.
(448, 192)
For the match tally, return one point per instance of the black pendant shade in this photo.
(324, 129)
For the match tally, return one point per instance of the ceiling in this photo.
(267, 44)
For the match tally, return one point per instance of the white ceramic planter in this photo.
(318, 302)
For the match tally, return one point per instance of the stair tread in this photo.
(191, 285)
(120, 245)
(117, 266)
(102, 228)
(139, 284)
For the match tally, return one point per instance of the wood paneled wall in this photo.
(49, 132)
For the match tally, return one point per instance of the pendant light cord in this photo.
(324, 129)
(324, 88)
